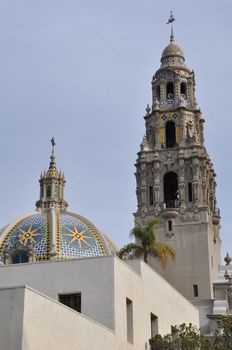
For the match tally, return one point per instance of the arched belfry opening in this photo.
(183, 89)
(170, 133)
(170, 90)
(158, 92)
(171, 195)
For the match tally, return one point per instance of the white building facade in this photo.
(61, 284)
(121, 305)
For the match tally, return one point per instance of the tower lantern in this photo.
(52, 185)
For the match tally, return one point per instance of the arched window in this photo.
(19, 258)
(57, 192)
(158, 92)
(170, 133)
(170, 91)
(183, 89)
(48, 192)
(171, 195)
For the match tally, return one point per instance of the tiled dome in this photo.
(52, 232)
(173, 56)
(172, 50)
(72, 235)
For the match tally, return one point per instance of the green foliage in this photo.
(187, 337)
(223, 335)
(146, 244)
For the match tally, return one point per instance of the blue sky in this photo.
(80, 71)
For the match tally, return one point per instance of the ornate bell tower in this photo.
(176, 180)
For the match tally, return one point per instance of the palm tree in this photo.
(146, 244)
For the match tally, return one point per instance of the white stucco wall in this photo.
(93, 277)
(50, 325)
(11, 313)
(47, 324)
(150, 293)
(104, 283)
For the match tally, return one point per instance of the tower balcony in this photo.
(170, 208)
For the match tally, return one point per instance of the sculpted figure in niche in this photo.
(156, 104)
(189, 129)
(204, 193)
(182, 192)
(143, 196)
(195, 191)
(156, 176)
(157, 194)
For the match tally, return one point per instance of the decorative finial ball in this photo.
(227, 259)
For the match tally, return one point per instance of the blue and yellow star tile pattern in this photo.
(31, 231)
(78, 238)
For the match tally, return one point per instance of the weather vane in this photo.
(53, 143)
(171, 20)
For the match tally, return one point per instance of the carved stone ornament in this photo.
(157, 210)
(156, 106)
(182, 191)
(144, 144)
(182, 208)
(182, 101)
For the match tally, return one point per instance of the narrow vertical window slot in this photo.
(170, 90)
(190, 192)
(129, 319)
(48, 192)
(151, 195)
(158, 92)
(169, 225)
(195, 290)
(154, 325)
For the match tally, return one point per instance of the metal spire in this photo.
(52, 167)
(171, 20)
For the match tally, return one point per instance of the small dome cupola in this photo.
(173, 55)
(173, 84)
(52, 185)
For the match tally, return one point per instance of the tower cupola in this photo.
(52, 185)
(173, 84)
(173, 55)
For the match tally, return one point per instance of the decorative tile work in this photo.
(75, 237)
(58, 234)
(78, 239)
(31, 231)
(161, 136)
(177, 134)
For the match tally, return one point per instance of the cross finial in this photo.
(53, 144)
(171, 20)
